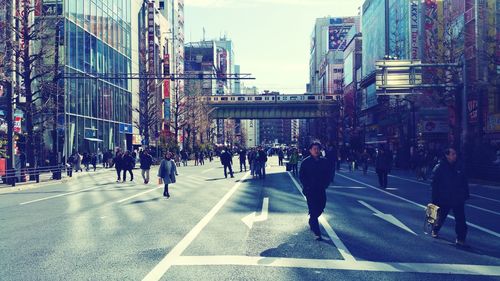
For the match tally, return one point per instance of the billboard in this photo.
(337, 35)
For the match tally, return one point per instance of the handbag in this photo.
(432, 217)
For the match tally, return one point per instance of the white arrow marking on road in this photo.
(387, 217)
(250, 219)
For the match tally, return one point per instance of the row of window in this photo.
(99, 99)
(107, 132)
(102, 21)
(87, 53)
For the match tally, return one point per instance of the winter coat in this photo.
(167, 173)
(146, 161)
(118, 160)
(226, 159)
(449, 185)
(294, 159)
(314, 174)
(261, 157)
(383, 161)
(128, 162)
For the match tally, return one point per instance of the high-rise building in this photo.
(327, 45)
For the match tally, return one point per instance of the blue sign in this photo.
(126, 128)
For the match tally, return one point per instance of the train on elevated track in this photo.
(224, 99)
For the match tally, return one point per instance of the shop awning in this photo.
(93, 139)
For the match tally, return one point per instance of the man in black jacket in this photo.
(450, 190)
(226, 160)
(315, 176)
(243, 159)
(146, 162)
(383, 165)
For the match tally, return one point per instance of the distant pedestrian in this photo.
(281, 156)
(294, 161)
(128, 165)
(261, 162)
(86, 161)
(118, 162)
(251, 161)
(93, 161)
(201, 160)
(243, 159)
(167, 173)
(315, 176)
(383, 166)
(365, 157)
(196, 158)
(184, 157)
(226, 160)
(146, 161)
(450, 190)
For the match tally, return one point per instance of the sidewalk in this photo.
(45, 180)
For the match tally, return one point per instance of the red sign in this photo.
(166, 89)
(17, 124)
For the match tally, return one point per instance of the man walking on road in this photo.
(315, 176)
(227, 160)
(450, 190)
(261, 160)
(243, 160)
(146, 162)
(383, 166)
(127, 166)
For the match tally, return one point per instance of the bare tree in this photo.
(35, 69)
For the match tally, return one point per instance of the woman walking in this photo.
(167, 173)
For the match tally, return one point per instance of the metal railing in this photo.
(13, 176)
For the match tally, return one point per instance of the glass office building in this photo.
(97, 40)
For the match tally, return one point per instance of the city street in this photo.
(212, 228)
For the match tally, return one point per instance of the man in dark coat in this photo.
(127, 165)
(227, 160)
(383, 166)
(118, 162)
(315, 176)
(243, 159)
(450, 190)
(261, 158)
(146, 162)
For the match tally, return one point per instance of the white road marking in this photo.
(418, 205)
(346, 254)
(138, 194)
(483, 209)
(487, 198)
(162, 267)
(59, 195)
(346, 187)
(428, 185)
(250, 219)
(432, 268)
(387, 217)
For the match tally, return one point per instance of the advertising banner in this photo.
(337, 35)
(414, 23)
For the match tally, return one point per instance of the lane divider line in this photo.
(161, 268)
(138, 194)
(346, 254)
(60, 195)
(491, 232)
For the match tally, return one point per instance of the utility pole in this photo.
(8, 90)
(56, 153)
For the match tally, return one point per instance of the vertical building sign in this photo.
(151, 37)
(414, 24)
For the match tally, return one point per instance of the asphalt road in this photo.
(212, 228)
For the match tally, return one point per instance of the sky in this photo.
(271, 37)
